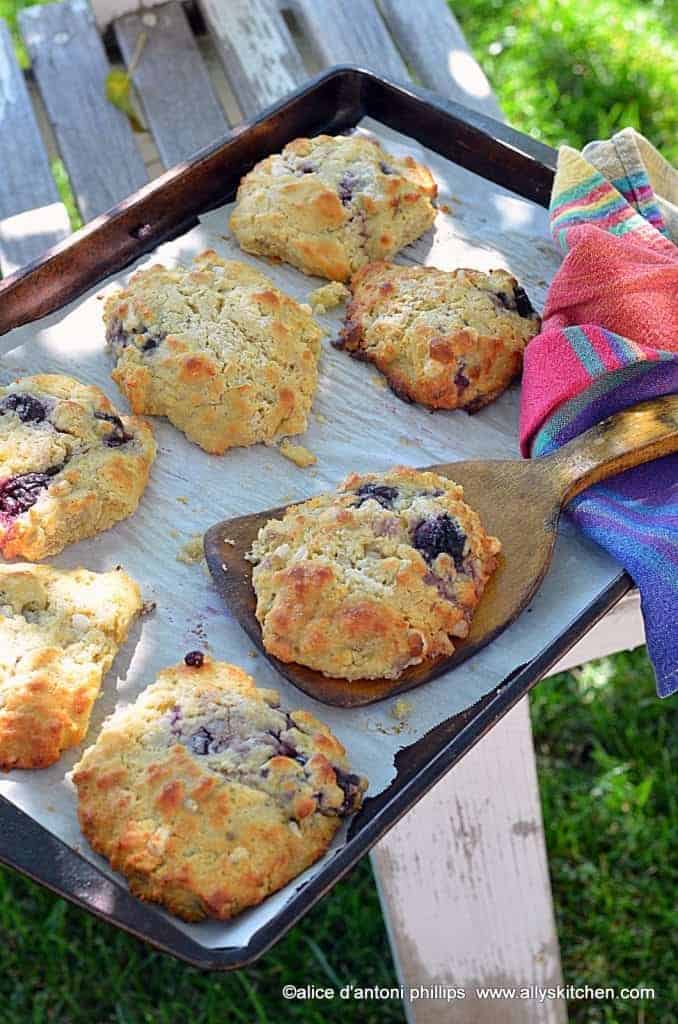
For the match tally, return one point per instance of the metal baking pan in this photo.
(335, 101)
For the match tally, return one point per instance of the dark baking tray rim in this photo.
(334, 101)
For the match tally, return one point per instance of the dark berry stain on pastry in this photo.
(350, 785)
(380, 493)
(195, 659)
(518, 302)
(19, 493)
(28, 408)
(460, 378)
(118, 435)
(346, 187)
(117, 337)
(439, 535)
(385, 168)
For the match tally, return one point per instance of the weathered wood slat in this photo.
(31, 216)
(94, 138)
(350, 32)
(464, 884)
(181, 109)
(434, 46)
(261, 62)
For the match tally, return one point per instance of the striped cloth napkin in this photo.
(609, 340)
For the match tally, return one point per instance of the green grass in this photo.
(61, 966)
(573, 71)
(563, 72)
(608, 757)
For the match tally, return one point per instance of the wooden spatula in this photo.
(518, 501)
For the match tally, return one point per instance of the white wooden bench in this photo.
(463, 879)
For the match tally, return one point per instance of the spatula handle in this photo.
(638, 434)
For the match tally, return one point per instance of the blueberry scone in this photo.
(208, 795)
(329, 205)
(377, 576)
(70, 466)
(217, 349)
(59, 634)
(446, 339)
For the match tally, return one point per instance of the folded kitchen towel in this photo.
(609, 339)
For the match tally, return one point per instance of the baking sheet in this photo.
(356, 424)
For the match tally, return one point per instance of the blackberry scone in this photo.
(363, 582)
(329, 205)
(59, 633)
(208, 795)
(447, 339)
(216, 348)
(70, 466)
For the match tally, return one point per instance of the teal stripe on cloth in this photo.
(584, 351)
(578, 191)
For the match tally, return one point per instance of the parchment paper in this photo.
(357, 424)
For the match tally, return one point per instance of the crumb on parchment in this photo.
(328, 296)
(401, 709)
(297, 454)
(192, 551)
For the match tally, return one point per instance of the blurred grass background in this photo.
(564, 71)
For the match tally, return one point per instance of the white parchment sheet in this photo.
(356, 424)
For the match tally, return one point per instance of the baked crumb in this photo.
(297, 454)
(401, 709)
(192, 551)
(328, 296)
(148, 607)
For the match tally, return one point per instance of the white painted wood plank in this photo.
(434, 46)
(181, 109)
(260, 59)
(32, 218)
(622, 629)
(464, 885)
(107, 11)
(350, 32)
(94, 138)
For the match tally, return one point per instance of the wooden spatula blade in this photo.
(512, 503)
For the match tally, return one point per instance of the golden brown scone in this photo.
(218, 349)
(448, 339)
(207, 795)
(70, 466)
(329, 205)
(59, 634)
(363, 582)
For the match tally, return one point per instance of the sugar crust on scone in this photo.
(207, 795)
(363, 582)
(330, 204)
(215, 347)
(70, 465)
(59, 633)
(447, 339)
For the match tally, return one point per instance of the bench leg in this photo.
(464, 885)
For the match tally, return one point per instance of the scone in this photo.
(446, 339)
(377, 576)
(59, 634)
(329, 205)
(208, 795)
(70, 466)
(217, 349)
